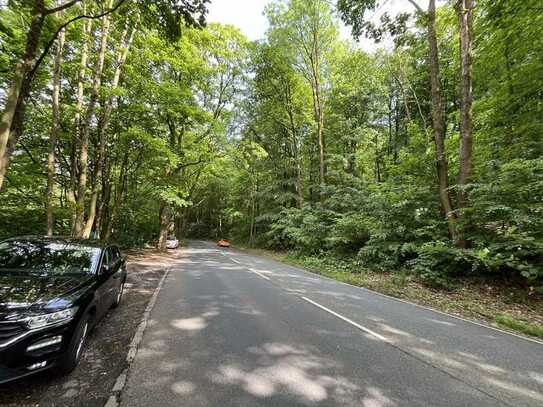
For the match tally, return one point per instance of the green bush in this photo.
(438, 263)
(301, 229)
(386, 255)
(349, 233)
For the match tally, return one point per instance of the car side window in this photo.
(114, 255)
(105, 258)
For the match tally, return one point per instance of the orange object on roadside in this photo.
(223, 243)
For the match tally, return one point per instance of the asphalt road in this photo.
(231, 329)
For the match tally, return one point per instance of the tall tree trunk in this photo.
(317, 75)
(319, 113)
(53, 136)
(79, 225)
(295, 150)
(78, 122)
(465, 10)
(377, 155)
(165, 224)
(299, 181)
(122, 54)
(352, 146)
(120, 193)
(103, 208)
(316, 84)
(439, 122)
(16, 94)
(320, 133)
(254, 193)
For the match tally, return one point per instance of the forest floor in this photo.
(507, 307)
(105, 354)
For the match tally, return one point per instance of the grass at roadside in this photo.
(502, 306)
(519, 325)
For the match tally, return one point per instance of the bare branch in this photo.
(61, 7)
(63, 26)
(416, 5)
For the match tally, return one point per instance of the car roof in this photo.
(60, 240)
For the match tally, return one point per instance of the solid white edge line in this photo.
(424, 307)
(138, 336)
(120, 382)
(349, 321)
(492, 328)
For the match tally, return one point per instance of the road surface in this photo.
(232, 329)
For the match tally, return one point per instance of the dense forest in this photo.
(132, 120)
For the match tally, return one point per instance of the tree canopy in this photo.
(142, 122)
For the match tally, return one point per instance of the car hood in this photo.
(24, 291)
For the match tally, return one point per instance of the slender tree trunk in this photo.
(295, 151)
(320, 133)
(439, 122)
(465, 10)
(316, 84)
(319, 115)
(165, 223)
(79, 225)
(401, 79)
(105, 200)
(104, 205)
(299, 181)
(120, 193)
(16, 94)
(511, 100)
(377, 160)
(254, 194)
(78, 122)
(316, 49)
(391, 109)
(351, 158)
(319, 121)
(313, 170)
(122, 54)
(54, 130)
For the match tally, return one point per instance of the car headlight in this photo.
(53, 318)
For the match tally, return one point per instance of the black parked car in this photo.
(52, 292)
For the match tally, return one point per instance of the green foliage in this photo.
(438, 263)
(222, 135)
(171, 16)
(349, 233)
(304, 229)
(379, 206)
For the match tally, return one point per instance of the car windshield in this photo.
(45, 258)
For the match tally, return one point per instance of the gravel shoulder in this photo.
(105, 356)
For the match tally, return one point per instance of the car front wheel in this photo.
(71, 358)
